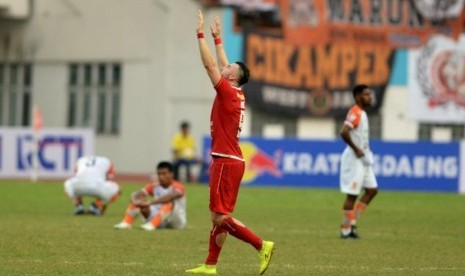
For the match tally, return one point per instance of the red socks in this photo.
(237, 230)
(241, 232)
(213, 249)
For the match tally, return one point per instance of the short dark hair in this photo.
(245, 73)
(184, 124)
(165, 165)
(358, 89)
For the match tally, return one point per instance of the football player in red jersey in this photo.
(227, 167)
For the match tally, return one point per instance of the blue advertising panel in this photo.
(421, 166)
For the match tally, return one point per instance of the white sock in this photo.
(346, 232)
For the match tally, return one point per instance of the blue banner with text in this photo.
(420, 166)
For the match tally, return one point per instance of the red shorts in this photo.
(225, 180)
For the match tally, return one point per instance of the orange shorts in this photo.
(225, 180)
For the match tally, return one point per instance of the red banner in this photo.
(398, 23)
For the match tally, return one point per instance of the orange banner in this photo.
(312, 80)
(397, 23)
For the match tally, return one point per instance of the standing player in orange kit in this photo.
(357, 162)
(227, 167)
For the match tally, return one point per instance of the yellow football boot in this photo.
(203, 269)
(265, 255)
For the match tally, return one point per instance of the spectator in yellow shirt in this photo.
(183, 145)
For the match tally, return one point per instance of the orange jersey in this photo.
(157, 191)
(357, 120)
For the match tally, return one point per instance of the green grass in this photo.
(402, 233)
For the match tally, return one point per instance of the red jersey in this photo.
(226, 120)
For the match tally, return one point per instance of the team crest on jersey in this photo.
(351, 117)
(441, 73)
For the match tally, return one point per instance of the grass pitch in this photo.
(402, 234)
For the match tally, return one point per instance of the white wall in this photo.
(49, 85)
(188, 89)
(163, 80)
(15, 9)
(316, 128)
(93, 30)
(396, 125)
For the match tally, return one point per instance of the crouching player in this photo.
(91, 179)
(166, 207)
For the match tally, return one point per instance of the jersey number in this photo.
(91, 161)
(241, 122)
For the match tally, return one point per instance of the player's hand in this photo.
(216, 31)
(137, 198)
(199, 22)
(367, 161)
(358, 152)
(142, 204)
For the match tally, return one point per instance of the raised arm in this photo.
(220, 53)
(206, 55)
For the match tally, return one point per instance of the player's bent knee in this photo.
(218, 219)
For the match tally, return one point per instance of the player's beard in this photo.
(367, 104)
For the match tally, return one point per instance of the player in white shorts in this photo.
(356, 172)
(166, 207)
(91, 179)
